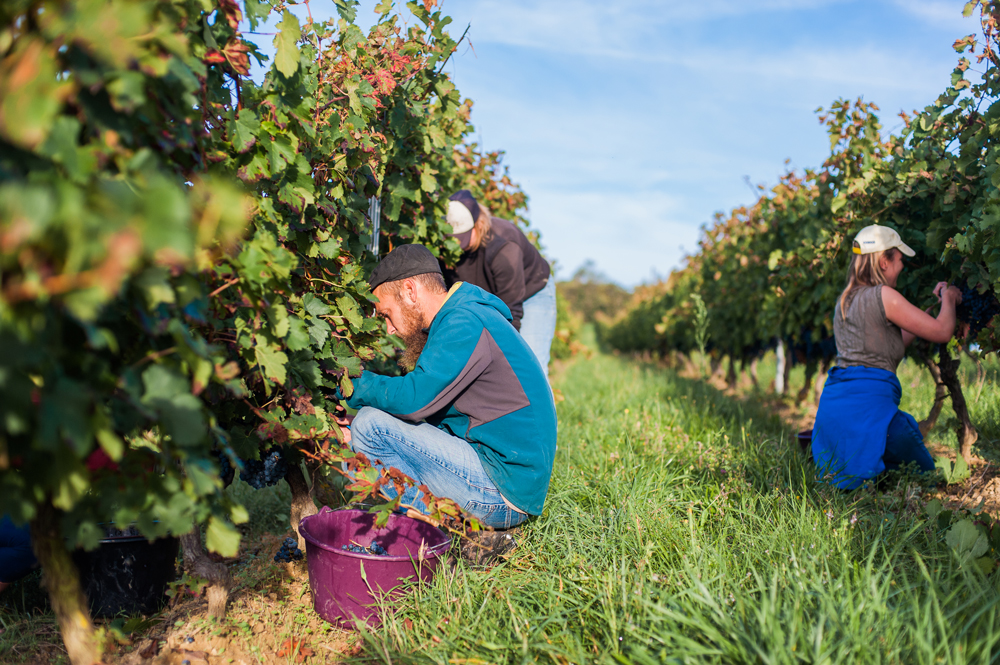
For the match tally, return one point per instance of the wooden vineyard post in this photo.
(780, 374)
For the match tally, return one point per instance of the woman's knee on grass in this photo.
(905, 444)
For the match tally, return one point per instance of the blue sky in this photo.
(630, 123)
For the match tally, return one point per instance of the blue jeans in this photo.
(16, 555)
(446, 464)
(538, 323)
(904, 443)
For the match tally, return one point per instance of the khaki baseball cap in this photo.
(463, 211)
(877, 238)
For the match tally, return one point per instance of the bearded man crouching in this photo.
(474, 420)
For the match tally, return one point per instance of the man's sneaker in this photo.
(484, 548)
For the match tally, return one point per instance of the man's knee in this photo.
(366, 427)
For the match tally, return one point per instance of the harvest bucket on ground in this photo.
(127, 574)
(805, 441)
(343, 582)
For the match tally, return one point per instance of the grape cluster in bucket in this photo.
(289, 551)
(374, 548)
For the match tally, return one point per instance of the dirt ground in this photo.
(270, 621)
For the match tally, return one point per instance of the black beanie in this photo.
(402, 262)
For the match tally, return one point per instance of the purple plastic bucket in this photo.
(340, 594)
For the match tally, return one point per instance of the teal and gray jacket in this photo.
(478, 380)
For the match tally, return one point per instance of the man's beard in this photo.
(414, 337)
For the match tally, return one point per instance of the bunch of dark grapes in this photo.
(977, 309)
(266, 471)
(226, 471)
(374, 548)
(289, 551)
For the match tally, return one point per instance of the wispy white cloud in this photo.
(939, 13)
(633, 233)
(607, 33)
(632, 29)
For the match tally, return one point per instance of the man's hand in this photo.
(344, 419)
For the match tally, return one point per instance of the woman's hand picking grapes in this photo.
(939, 290)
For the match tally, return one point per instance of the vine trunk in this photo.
(62, 581)
(197, 563)
(967, 434)
(302, 501)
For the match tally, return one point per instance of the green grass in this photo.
(682, 526)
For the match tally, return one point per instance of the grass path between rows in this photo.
(683, 526)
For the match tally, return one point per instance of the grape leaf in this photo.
(272, 361)
(286, 56)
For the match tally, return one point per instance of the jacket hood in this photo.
(467, 294)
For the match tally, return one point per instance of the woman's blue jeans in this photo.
(904, 443)
(538, 323)
(446, 464)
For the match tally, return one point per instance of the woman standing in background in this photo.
(499, 258)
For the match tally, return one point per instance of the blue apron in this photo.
(852, 422)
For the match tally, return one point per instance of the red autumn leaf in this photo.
(275, 431)
(213, 57)
(236, 55)
(228, 371)
(296, 646)
(100, 460)
(299, 400)
(232, 12)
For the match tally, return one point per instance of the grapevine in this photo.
(185, 250)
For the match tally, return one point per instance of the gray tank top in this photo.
(866, 337)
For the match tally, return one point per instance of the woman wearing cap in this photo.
(860, 431)
(500, 259)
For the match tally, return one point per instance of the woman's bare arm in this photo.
(907, 335)
(917, 323)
